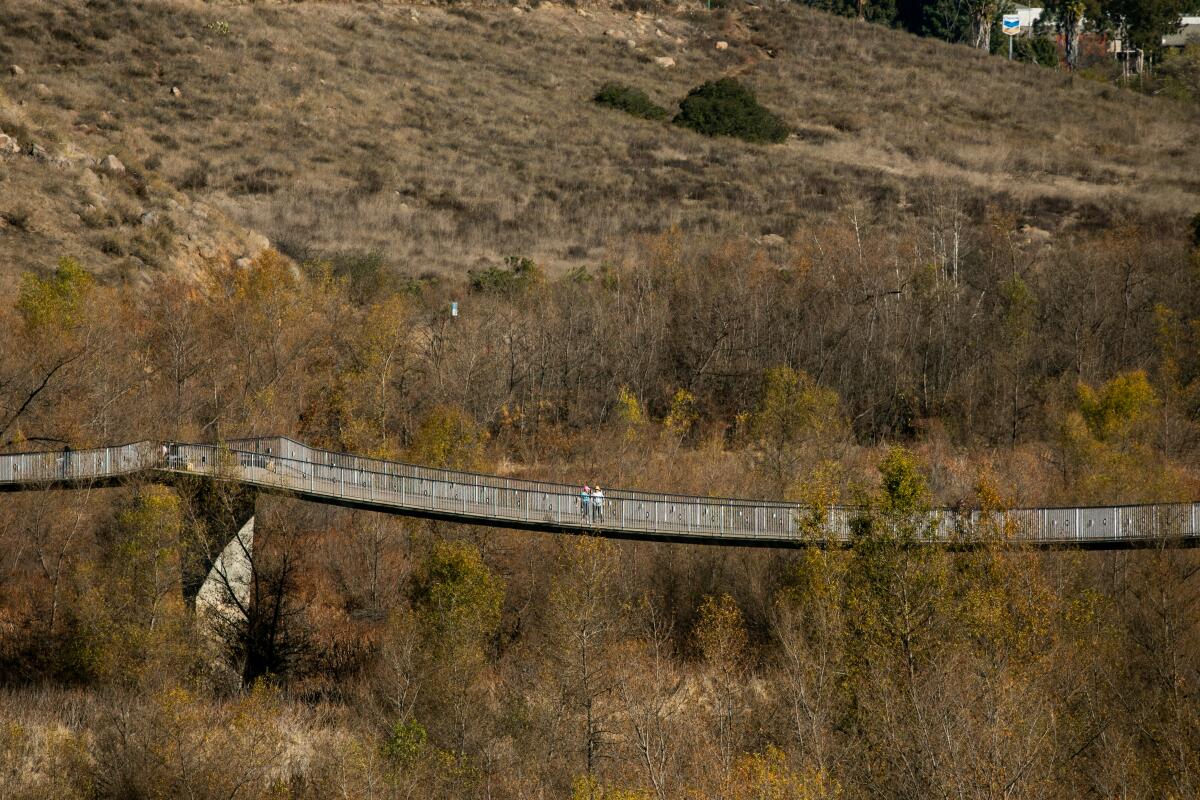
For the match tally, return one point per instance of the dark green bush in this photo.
(1036, 50)
(1195, 226)
(726, 108)
(1178, 75)
(630, 100)
(370, 276)
(516, 277)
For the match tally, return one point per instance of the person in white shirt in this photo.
(598, 504)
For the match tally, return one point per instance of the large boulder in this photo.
(111, 165)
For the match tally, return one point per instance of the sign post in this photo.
(1011, 25)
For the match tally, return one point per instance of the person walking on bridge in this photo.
(585, 499)
(598, 504)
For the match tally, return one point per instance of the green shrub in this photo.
(1195, 230)
(405, 742)
(1178, 75)
(726, 108)
(516, 277)
(369, 274)
(630, 100)
(1036, 50)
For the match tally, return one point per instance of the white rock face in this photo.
(16, 71)
(666, 62)
(722, 45)
(8, 145)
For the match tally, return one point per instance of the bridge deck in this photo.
(279, 464)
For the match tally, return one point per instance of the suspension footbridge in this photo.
(282, 465)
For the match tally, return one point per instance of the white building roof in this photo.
(1189, 33)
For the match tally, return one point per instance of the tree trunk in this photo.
(1072, 27)
(983, 33)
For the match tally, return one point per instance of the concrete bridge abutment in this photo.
(218, 547)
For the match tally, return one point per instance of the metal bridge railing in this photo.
(284, 464)
(76, 465)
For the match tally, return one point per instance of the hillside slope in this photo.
(445, 138)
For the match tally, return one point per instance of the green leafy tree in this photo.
(132, 614)
(794, 414)
(1069, 17)
(587, 787)
(405, 743)
(1107, 442)
(457, 598)
(949, 20)
(881, 11)
(456, 602)
(1145, 22)
(982, 16)
(1120, 407)
(631, 426)
(809, 624)
(769, 776)
(448, 438)
(55, 302)
(894, 584)
(1179, 76)
(1036, 49)
(630, 414)
(682, 416)
(359, 406)
(720, 636)
(898, 612)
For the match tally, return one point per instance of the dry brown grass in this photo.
(447, 137)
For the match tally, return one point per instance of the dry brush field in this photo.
(447, 137)
(960, 282)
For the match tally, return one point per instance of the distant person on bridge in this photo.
(585, 498)
(598, 504)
